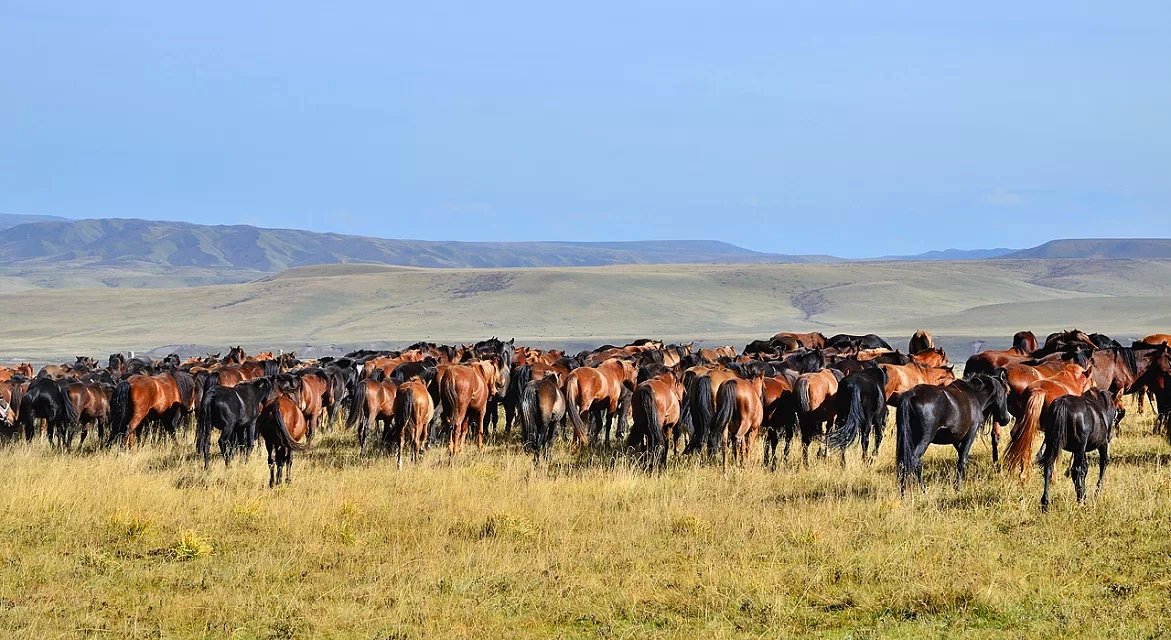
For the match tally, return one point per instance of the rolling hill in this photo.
(1115, 248)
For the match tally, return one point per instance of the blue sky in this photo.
(855, 129)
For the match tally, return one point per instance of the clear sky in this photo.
(856, 129)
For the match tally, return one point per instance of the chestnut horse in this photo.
(933, 357)
(413, 411)
(902, 378)
(601, 392)
(372, 401)
(657, 413)
(813, 340)
(282, 425)
(1037, 396)
(463, 393)
(167, 396)
(739, 416)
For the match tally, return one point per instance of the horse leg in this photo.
(995, 443)
(964, 449)
(481, 426)
(1048, 473)
(1080, 467)
(1103, 460)
(288, 465)
(271, 464)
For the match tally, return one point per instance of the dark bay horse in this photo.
(542, 408)
(282, 424)
(413, 412)
(739, 416)
(602, 393)
(372, 401)
(1077, 424)
(815, 406)
(657, 410)
(921, 341)
(953, 415)
(166, 396)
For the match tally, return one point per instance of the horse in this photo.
(602, 392)
(1024, 342)
(235, 355)
(1156, 378)
(542, 408)
(859, 406)
(46, 399)
(921, 341)
(815, 407)
(372, 401)
(234, 411)
(739, 416)
(952, 414)
(1154, 340)
(1077, 424)
(902, 378)
(702, 383)
(847, 341)
(812, 340)
(463, 391)
(1037, 396)
(413, 412)
(91, 402)
(282, 424)
(166, 396)
(933, 357)
(657, 411)
(314, 395)
(780, 417)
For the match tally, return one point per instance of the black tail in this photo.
(647, 422)
(536, 434)
(1055, 433)
(702, 412)
(848, 424)
(725, 408)
(282, 429)
(904, 444)
(404, 415)
(357, 404)
(71, 410)
(120, 410)
(804, 402)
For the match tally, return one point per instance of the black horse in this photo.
(860, 406)
(953, 415)
(46, 399)
(232, 410)
(1077, 424)
(847, 341)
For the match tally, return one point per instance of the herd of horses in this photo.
(646, 399)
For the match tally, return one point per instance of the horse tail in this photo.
(725, 408)
(1016, 457)
(357, 404)
(404, 415)
(804, 402)
(1054, 435)
(120, 409)
(579, 428)
(702, 412)
(282, 429)
(904, 444)
(647, 420)
(530, 415)
(72, 411)
(848, 425)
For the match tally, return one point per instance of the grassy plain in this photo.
(146, 545)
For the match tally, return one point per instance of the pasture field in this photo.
(146, 545)
(717, 304)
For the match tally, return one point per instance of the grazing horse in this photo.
(282, 424)
(921, 341)
(953, 414)
(815, 406)
(1077, 424)
(1037, 396)
(657, 409)
(234, 411)
(542, 408)
(372, 401)
(413, 412)
(860, 406)
(166, 396)
(780, 417)
(739, 416)
(91, 402)
(902, 378)
(46, 399)
(602, 392)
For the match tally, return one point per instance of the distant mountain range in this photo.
(42, 241)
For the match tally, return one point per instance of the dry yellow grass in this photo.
(145, 544)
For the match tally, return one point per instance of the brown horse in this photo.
(1037, 396)
(739, 416)
(902, 378)
(24, 369)
(92, 402)
(780, 416)
(283, 426)
(1156, 339)
(657, 410)
(813, 340)
(601, 392)
(463, 393)
(315, 393)
(932, 357)
(167, 396)
(235, 355)
(815, 407)
(704, 384)
(372, 401)
(413, 411)
(921, 341)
